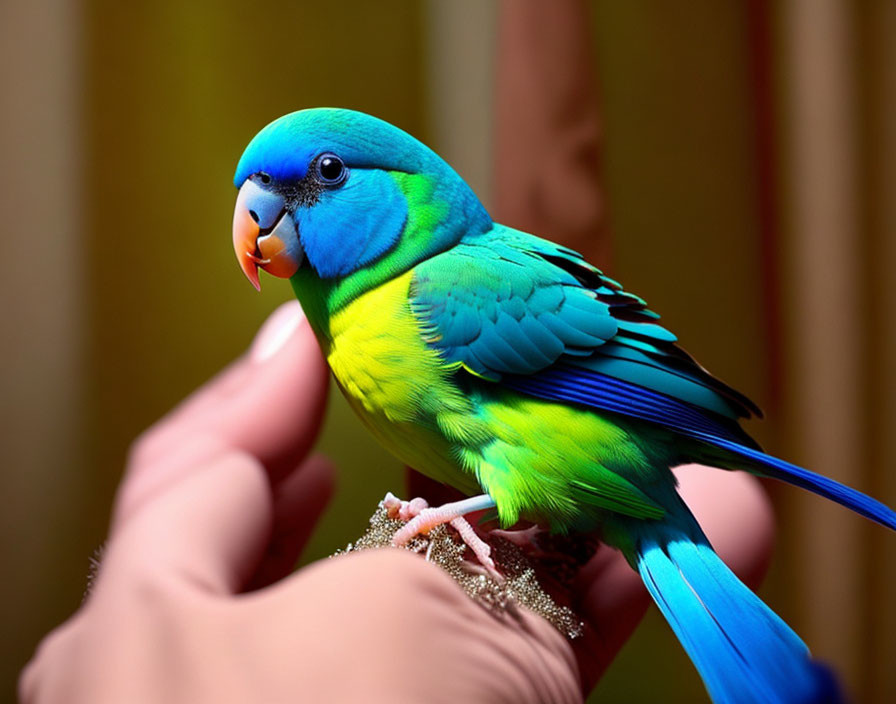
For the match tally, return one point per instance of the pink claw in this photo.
(421, 518)
(480, 548)
(411, 509)
(392, 504)
(403, 510)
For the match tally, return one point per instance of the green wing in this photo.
(502, 310)
(536, 318)
(508, 303)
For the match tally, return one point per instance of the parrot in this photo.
(508, 367)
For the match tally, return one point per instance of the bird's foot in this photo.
(480, 548)
(403, 510)
(421, 518)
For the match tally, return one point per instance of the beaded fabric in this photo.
(441, 546)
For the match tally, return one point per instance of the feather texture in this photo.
(505, 302)
(602, 392)
(502, 311)
(744, 652)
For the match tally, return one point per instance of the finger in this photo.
(45, 671)
(611, 601)
(229, 381)
(208, 530)
(736, 516)
(398, 598)
(735, 513)
(263, 402)
(269, 404)
(299, 502)
(275, 412)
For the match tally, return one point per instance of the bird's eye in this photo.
(331, 170)
(264, 178)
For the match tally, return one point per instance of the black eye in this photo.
(264, 178)
(331, 170)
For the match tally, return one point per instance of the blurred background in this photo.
(732, 163)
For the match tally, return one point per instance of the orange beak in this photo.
(264, 234)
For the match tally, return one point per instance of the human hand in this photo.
(194, 601)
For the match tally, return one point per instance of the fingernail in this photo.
(277, 329)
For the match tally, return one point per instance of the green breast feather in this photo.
(465, 432)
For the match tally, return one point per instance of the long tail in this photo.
(816, 483)
(743, 651)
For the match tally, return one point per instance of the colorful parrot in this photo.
(508, 367)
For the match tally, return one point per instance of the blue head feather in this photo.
(364, 219)
(286, 146)
(346, 228)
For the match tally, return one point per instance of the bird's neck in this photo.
(441, 212)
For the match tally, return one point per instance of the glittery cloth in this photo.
(442, 547)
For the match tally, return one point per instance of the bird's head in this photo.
(335, 189)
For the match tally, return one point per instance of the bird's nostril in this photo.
(253, 215)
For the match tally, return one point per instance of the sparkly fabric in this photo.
(442, 547)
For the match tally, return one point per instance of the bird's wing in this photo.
(499, 310)
(527, 313)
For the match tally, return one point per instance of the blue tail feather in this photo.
(742, 649)
(823, 486)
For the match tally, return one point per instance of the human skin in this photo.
(196, 600)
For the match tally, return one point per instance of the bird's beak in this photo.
(265, 234)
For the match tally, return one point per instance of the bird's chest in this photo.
(399, 387)
(377, 355)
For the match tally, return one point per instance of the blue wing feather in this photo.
(506, 302)
(499, 310)
(572, 385)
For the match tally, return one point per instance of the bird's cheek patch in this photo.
(354, 225)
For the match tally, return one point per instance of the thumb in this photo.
(268, 404)
(197, 497)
